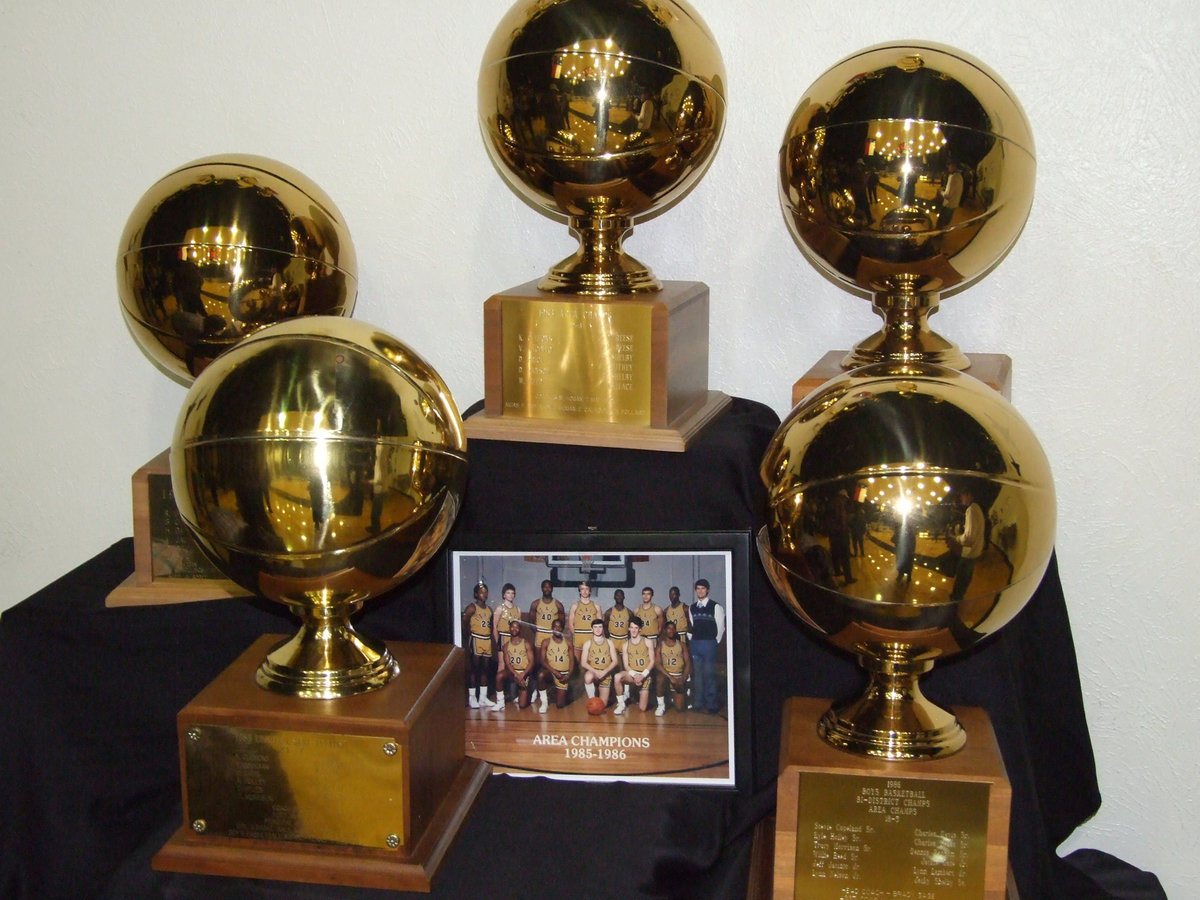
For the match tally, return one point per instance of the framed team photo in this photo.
(605, 657)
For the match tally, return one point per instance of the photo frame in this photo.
(678, 741)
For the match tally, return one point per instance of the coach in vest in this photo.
(708, 627)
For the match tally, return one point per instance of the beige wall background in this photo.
(376, 102)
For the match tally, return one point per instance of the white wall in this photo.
(375, 101)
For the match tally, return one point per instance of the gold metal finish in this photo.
(601, 111)
(223, 246)
(851, 826)
(589, 360)
(907, 170)
(266, 784)
(319, 463)
(941, 469)
(875, 833)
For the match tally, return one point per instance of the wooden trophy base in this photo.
(608, 371)
(675, 437)
(364, 791)
(168, 566)
(993, 369)
(938, 827)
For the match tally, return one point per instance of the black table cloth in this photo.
(89, 772)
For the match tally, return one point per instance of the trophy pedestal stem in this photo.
(993, 369)
(326, 659)
(892, 719)
(906, 335)
(600, 266)
(847, 822)
(366, 791)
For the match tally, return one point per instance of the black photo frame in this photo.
(690, 747)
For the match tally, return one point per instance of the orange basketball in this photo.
(595, 706)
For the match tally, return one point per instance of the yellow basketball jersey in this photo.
(618, 621)
(481, 631)
(678, 615)
(639, 654)
(599, 655)
(520, 655)
(649, 616)
(505, 616)
(544, 615)
(559, 655)
(672, 657)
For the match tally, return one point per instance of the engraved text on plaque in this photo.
(863, 836)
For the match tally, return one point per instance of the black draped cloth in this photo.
(89, 771)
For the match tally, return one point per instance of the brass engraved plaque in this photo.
(295, 786)
(873, 838)
(579, 359)
(174, 553)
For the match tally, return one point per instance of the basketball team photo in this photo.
(603, 657)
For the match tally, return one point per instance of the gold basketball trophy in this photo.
(600, 112)
(214, 251)
(887, 790)
(907, 172)
(319, 463)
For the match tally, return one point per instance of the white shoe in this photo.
(471, 701)
(661, 711)
(498, 706)
(542, 708)
(620, 710)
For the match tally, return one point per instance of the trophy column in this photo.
(956, 509)
(328, 756)
(912, 510)
(907, 173)
(212, 252)
(599, 114)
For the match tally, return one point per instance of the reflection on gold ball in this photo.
(907, 167)
(602, 108)
(319, 463)
(221, 247)
(942, 493)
